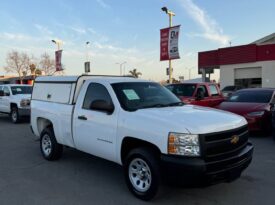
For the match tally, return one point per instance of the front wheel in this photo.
(142, 175)
(15, 118)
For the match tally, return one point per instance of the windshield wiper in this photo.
(175, 104)
(152, 106)
(163, 105)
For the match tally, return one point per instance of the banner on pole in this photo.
(58, 56)
(169, 39)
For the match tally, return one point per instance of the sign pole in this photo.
(170, 61)
(169, 43)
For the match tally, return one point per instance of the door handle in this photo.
(82, 117)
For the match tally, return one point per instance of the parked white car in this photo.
(140, 125)
(15, 100)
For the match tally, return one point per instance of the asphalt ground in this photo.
(78, 178)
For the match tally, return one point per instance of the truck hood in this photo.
(194, 119)
(22, 96)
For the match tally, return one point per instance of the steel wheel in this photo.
(46, 145)
(14, 115)
(140, 175)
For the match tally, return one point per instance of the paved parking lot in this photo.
(26, 178)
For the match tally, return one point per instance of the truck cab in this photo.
(203, 94)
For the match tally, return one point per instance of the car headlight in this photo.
(25, 103)
(183, 144)
(256, 114)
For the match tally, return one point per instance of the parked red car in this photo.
(203, 94)
(254, 104)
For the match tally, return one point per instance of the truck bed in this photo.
(61, 116)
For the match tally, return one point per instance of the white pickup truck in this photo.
(15, 100)
(140, 125)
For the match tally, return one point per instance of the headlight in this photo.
(183, 144)
(25, 102)
(256, 114)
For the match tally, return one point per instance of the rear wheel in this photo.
(15, 118)
(49, 147)
(142, 175)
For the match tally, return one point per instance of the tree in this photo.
(17, 63)
(38, 72)
(47, 65)
(135, 73)
(33, 68)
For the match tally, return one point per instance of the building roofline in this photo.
(264, 39)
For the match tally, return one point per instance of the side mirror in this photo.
(7, 94)
(102, 105)
(2, 93)
(199, 94)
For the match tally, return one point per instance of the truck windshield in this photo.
(21, 90)
(140, 95)
(182, 89)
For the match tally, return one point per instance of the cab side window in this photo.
(6, 91)
(96, 91)
(203, 88)
(1, 87)
(213, 90)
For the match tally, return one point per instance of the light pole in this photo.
(58, 43)
(189, 71)
(87, 50)
(170, 14)
(120, 66)
(87, 68)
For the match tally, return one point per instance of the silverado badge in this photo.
(234, 139)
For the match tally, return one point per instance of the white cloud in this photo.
(103, 4)
(110, 47)
(92, 30)
(14, 36)
(211, 30)
(43, 29)
(78, 30)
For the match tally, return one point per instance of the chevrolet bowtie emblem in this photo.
(234, 139)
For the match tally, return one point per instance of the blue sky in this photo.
(129, 30)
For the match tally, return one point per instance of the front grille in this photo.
(218, 149)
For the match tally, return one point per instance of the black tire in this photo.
(14, 115)
(151, 159)
(49, 147)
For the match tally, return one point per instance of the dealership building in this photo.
(251, 65)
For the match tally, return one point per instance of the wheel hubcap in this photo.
(140, 175)
(46, 145)
(14, 116)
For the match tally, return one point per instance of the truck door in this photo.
(202, 102)
(5, 104)
(94, 130)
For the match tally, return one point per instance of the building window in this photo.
(249, 82)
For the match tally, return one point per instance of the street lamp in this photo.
(170, 14)
(120, 66)
(58, 43)
(87, 68)
(189, 70)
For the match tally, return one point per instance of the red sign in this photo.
(169, 43)
(58, 65)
